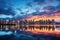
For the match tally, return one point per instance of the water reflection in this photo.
(26, 27)
(22, 32)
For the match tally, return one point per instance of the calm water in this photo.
(27, 36)
(20, 33)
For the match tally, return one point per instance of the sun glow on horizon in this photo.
(55, 16)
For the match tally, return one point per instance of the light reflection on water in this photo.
(18, 34)
(2, 33)
(32, 28)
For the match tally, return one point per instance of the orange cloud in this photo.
(55, 16)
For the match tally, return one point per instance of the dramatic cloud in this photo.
(50, 9)
(28, 7)
(40, 1)
(58, 0)
(7, 12)
(58, 7)
(6, 9)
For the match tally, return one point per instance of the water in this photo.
(28, 33)
(27, 36)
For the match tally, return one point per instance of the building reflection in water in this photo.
(23, 25)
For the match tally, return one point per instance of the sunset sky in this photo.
(25, 8)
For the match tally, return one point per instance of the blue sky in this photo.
(26, 7)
